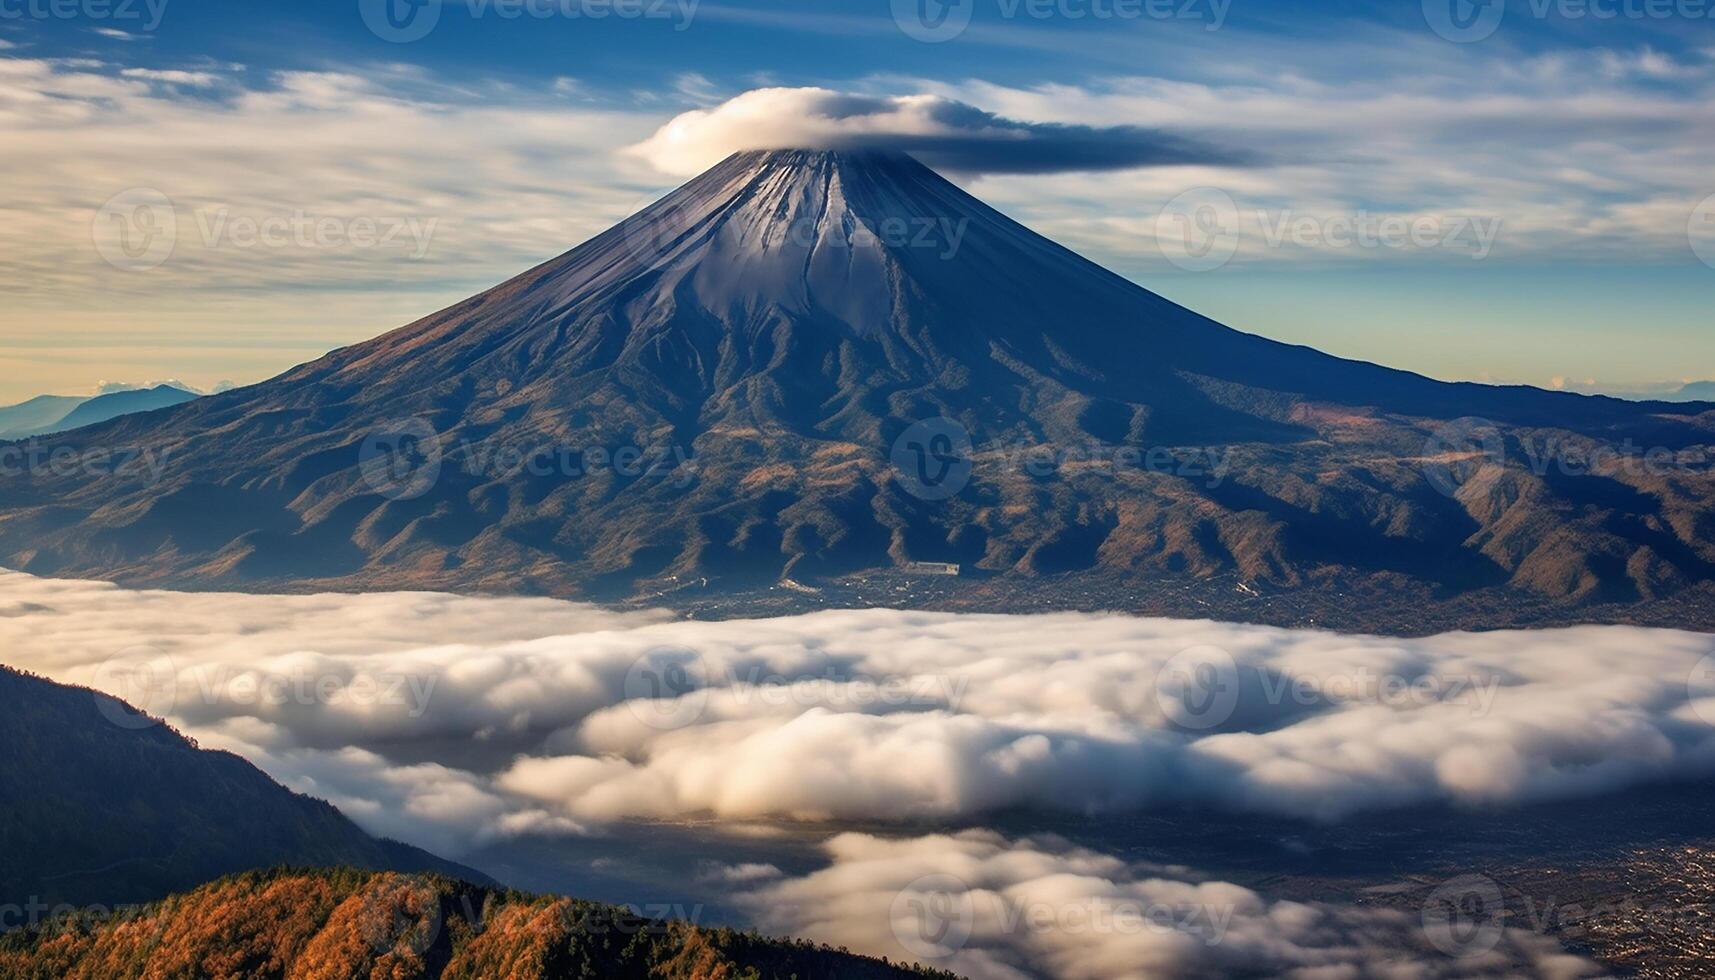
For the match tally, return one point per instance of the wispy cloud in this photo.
(1578, 156)
(197, 79)
(119, 35)
(232, 157)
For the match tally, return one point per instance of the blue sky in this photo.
(1581, 131)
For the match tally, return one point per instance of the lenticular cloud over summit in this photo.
(584, 716)
(943, 133)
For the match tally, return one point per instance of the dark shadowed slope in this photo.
(767, 336)
(104, 805)
(339, 924)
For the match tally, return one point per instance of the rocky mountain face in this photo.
(809, 364)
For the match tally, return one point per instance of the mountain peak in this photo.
(815, 156)
(767, 336)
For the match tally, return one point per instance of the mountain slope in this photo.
(773, 338)
(35, 415)
(356, 924)
(103, 806)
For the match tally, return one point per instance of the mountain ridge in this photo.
(36, 414)
(107, 805)
(343, 923)
(46, 415)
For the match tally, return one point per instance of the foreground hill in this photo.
(775, 372)
(104, 805)
(352, 924)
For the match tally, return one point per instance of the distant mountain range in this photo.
(275, 925)
(103, 805)
(817, 365)
(37, 415)
(50, 414)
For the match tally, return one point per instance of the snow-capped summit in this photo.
(766, 337)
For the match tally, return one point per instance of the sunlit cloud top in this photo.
(944, 133)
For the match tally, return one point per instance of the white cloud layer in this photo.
(551, 713)
(989, 908)
(535, 716)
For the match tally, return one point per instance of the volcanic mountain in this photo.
(813, 364)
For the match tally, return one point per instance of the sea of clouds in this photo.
(452, 721)
(992, 908)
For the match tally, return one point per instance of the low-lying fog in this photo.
(485, 728)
